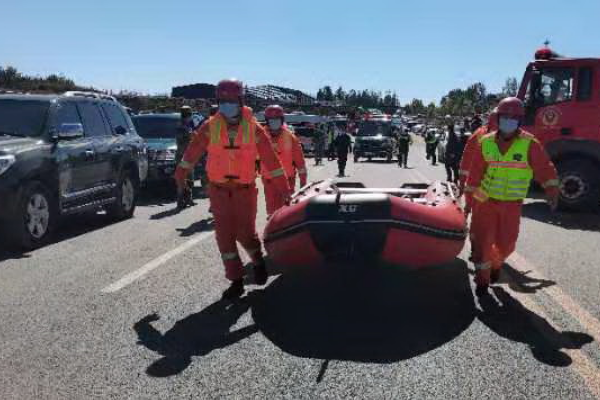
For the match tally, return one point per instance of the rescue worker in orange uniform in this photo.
(501, 171)
(233, 140)
(467, 157)
(288, 148)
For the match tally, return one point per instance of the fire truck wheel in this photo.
(579, 185)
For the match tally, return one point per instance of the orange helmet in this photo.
(511, 106)
(230, 90)
(273, 112)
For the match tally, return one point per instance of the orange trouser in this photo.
(494, 233)
(234, 211)
(273, 198)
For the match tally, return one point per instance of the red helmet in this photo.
(493, 120)
(511, 106)
(230, 89)
(273, 112)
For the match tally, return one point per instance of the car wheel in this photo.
(126, 197)
(36, 218)
(579, 186)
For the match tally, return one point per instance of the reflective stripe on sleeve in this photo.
(550, 183)
(277, 172)
(230, 256)
(483, 266)
(252, 252)
(185, 165)
(480, 195)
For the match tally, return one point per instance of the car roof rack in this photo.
(93, 95)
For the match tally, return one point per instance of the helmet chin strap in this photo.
(233, 121)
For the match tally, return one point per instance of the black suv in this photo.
(65, 154)
(375, 139)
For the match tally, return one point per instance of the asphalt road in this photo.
(132, 310)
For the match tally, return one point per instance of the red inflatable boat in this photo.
(416, 225)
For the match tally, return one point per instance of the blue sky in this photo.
(416, 48)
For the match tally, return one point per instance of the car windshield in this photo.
(156, 127)
(374, 128)
(304, 131)
(22, 117)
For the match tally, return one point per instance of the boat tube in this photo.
(416, 225)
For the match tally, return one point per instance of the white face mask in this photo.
(275, 124)
(508, 126)
(229, 110)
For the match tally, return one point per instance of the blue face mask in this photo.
(229, 110)
(508, 126)
(275, 124)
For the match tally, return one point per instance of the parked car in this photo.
(305, 133)
(160, 132)
(62, 155)
(375, 139)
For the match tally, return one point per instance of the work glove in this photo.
(180, 177)
(283, 187)
(552, 198)
(302, 180)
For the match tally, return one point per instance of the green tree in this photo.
(511, 86)
(340, 94)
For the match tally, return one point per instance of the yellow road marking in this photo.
(582, 365)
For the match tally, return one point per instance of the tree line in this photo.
(457, 102)
(12, 79)
(359, 98)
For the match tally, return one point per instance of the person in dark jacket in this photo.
(431, 144)
(404, 142)
(343, 146)
(453, 154)
(184, 132)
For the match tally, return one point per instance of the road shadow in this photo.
(203, 225)
(157, 194)
(9, 254)
(66, 229)
(539, 211)
(365, 314)
(521, 282)
(196, 335)
(378, 161)
(508, 318)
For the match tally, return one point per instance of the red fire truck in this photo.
(562, 100)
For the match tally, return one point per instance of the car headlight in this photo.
(6, 162)
(165, 155)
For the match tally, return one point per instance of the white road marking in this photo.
(157, 262)
(422, 176)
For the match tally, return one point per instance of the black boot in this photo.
(180, 202)
(260, 273)
(482, 290)
(235, 290)
(495, 276)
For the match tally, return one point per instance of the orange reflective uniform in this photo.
(495, 223)
(231, 168)
(289, 150)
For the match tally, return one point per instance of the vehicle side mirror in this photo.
(119, 130)
(69, 131)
